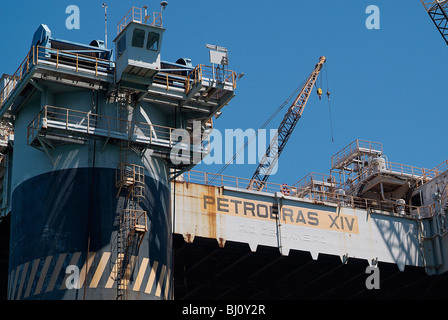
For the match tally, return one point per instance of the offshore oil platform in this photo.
(106, 211)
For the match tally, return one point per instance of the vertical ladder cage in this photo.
(130, 182)
(133, 222)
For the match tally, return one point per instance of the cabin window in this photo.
(153, 41)
(138, 38)
(121, 45)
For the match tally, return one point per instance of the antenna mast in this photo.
(105, 22)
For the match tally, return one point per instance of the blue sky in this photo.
(386, 85)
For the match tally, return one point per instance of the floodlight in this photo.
(163, 5)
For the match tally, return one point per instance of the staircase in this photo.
(133, 228)
(130, 182)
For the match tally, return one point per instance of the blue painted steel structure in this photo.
(89, 163)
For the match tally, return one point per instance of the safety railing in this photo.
(74, 61)
(60, 59)
(128, 175)
(17, 77)
(317, 196)
(357, 146)
(136, 14)
(219, 75)
(87, 123)
(350, 179)
(219, 180)
(434, 172)
(90, 64)
(316, 179)
(134, 220)
(405, 170)
(171, 81)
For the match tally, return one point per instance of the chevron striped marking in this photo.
(43, 275)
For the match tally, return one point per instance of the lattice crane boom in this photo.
(292, 116)
(437, 10)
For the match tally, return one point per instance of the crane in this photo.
(284, 131)
(437, 10)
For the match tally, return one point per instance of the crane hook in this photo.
(319, 93)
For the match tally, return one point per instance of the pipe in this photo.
(382, 191)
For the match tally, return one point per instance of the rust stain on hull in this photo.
(211, 213)
(189, 197)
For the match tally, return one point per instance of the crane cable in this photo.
(329, 104)
(296, 91)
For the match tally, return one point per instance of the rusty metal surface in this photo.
(229, 214)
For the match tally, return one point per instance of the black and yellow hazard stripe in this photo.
(41, 275)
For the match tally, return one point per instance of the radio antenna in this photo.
(105, 22)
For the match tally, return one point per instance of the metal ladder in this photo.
(133, 228)
(132, 221)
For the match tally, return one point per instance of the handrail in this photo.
(221, 75)
(77, 62)
(89, 123)
(434, 172)
(195, 76)
(135, 14)
(61, 60)
(315, 178)
(416, 173)
(133, 218)
(74, 61)
(356, 145)
(131, 15)
(13, 80)
(404, 169)
(128, 173)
